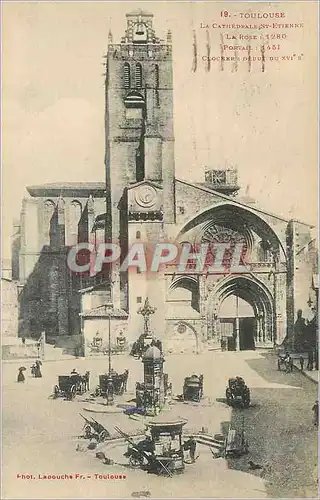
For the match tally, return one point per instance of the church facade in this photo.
(143, 202)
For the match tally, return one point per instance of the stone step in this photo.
(55, 353)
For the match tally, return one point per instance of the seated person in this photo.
(146, 444)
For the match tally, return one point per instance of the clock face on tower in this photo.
(146, 196)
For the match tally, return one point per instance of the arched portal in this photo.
(247, 261)
(235, 225)
(245, 329)
(234, 217)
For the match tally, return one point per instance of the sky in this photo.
(263, 123)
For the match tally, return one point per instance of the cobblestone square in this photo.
(40, 435)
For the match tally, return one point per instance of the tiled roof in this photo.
(70, 185)
(55, 189)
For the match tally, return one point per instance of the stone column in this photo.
(237, 335)
(205, 331)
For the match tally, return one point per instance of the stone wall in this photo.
(98, 327)
(19, 351)
(49, 299)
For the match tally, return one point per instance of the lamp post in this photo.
(110, 387)
(109, 344)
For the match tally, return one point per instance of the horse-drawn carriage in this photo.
(119, 383)
(238, 392)
(193, 388)
(161, 452)
(70, 385)
(285, 362)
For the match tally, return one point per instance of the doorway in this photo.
(247, 330)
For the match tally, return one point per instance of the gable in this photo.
(193, 201)
(145, 196)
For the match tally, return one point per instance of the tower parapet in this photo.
(140, 40)
(223, 180)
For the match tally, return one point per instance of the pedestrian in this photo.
(310, 360)
(301, 360)
(125, 380)
(191, 445)
(315, 410)
(23, 341)
(316, 359)
(37, 370)
(21, 377)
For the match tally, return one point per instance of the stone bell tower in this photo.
(139, 131)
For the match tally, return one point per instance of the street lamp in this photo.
(110, 387)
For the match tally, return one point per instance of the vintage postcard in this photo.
(159, 250)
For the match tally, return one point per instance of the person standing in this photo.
(316, 359)
(301, 361)
(310, 360)
(21, 377)
(315, 410)
(191, 445)
(37, 370)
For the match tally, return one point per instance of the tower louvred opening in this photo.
(156, 76)
(127, 76)
(134, 100)
(138, 76)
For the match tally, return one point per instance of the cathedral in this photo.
(143, 201)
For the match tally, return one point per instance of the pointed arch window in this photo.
(138, 76)
(156, 84)
(264, 251)
(156, 76)
(157, 98)
(74, 219)
(127, 75)
(48, 211)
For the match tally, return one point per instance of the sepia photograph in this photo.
(159, 260)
